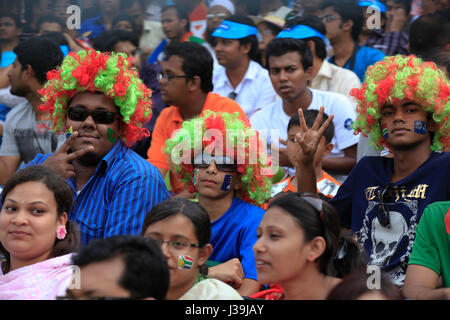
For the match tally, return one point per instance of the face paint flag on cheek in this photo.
(385, 133)
(227, 182)
(185, 262)
(69, 132)
(420, 127)
(195, 179)
(111, 135)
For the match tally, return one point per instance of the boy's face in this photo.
(323, 149)
(405, 125)
(214, 178)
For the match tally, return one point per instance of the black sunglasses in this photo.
(99, 116)
(220, 161)
(383, 211)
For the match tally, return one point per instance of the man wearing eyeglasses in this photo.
(103, 106)
(186, 85)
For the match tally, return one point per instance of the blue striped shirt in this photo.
(118, 196)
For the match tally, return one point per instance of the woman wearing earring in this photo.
(301, 249)
(36, 238)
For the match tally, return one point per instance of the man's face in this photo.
(47, 27)
(229, 52)
(405, 125)
(332, 21)
(215, 17)
(16, 79)
(102, 136)
(131, 50)
(109, 6)
(100, 280)
(173, 90)
(287, 75)
(137, 13)
(173, 26)
(8, 29)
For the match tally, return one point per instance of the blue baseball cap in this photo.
(300, 32)
(234, 30)
(369, 3)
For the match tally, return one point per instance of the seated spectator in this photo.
(185, 227)
(22, 139)
(355, 286)
(93, 27)
(398, 16)
(48, 24)
(176, 27)
(10, 31)
(430, 257)
(241, 77)
(326, 76)
(391, 42)
(103, 113)
(186, 85)
(301, 248)
(231, 178)
(326, 184)
(268, 28)
(123, 22)
(401, 105)
(429, 32)
(120, 267)
(344, 21)
(290, 63)
(36, 237)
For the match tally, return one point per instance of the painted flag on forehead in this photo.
(185, 262)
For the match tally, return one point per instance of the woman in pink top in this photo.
(36, 237)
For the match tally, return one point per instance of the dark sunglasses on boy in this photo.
(223, 163)
(99, 116)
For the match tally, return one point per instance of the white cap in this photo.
(227, 4)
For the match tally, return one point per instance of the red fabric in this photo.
(447, 221)
(274, 293)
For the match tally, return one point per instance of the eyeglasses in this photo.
(217, 15)
(329, 18)
(383, 212)
(177, 244)
(99, 116)
(168, 77)
(223, 163)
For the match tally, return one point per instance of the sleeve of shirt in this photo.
(134, 198)
(9, 145)
(377, 55)
(155, 153)
(344, 115)
(425, 251)
(38, 160)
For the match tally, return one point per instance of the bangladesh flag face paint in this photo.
(112, 135)
(385, 133)
(185, 262)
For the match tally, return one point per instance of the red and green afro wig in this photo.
(227, 134)
(398, 79)
(111, 74)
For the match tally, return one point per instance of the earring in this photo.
(61, 232)
(311, 257)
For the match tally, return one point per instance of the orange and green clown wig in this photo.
(227, 135)
(400, 79)
(111, 74)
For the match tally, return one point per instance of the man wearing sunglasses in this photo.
(403, 105)
(105, 108)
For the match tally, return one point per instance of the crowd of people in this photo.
(225, 149)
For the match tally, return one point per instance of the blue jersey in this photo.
(359, 200)
(234, 234)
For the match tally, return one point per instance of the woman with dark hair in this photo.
(183, 229)
(300, 247)
(36, 238)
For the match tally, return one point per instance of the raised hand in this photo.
(61, 160)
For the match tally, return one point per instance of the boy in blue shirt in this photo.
(230, 178)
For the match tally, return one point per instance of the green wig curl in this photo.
(399, 79)
(227, 134)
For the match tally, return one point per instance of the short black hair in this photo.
(58, 37)
(14, 17)
(146, 273)
(49, 18)
(439, 57)
(197, 61)
(254, 53)
(41, 53)
(106, 41)
(182, 12)
(280, 46)
(428, 32)
(310, 117)
(124, 17)
(315, 23)
(348, 10)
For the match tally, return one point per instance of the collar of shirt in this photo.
(222, 78)
(326, 70)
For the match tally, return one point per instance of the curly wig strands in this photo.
(226, 134)
(398, 79)
(111, 74)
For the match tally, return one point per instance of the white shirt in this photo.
(336, 79)
(254, 92)
(273, 117)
